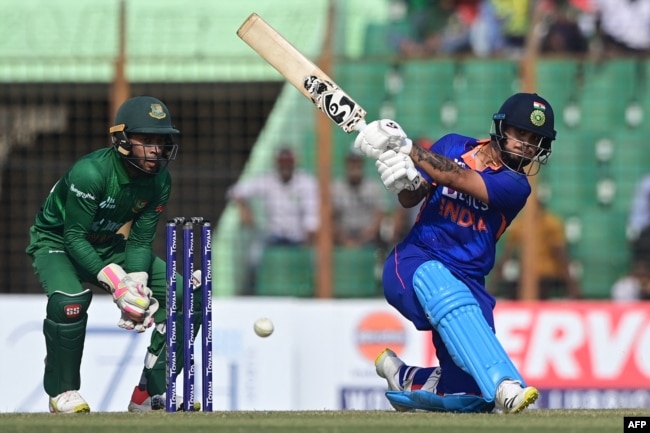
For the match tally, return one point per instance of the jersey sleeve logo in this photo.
(81, 194)
(139, 205)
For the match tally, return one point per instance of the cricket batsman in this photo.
(470, 189)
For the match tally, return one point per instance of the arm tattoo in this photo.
(437, 162)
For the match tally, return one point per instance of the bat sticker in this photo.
(334, 102)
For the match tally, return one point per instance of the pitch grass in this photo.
(534, 421)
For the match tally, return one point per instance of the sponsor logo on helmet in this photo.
(157, 111)
(538, 117)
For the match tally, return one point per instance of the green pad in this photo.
(65, 345)
(65, 333)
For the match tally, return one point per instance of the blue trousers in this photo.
(398, 272)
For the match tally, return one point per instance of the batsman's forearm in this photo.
(442, 169)
(447, 172)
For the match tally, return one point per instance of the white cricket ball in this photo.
(263, 327)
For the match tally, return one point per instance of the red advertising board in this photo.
(576, 344)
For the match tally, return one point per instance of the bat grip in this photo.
(360, 126)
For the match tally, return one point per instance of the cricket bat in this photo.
(303, 74)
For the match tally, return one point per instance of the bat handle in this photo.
(360, 126)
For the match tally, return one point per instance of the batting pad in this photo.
(456, 315)
(426, 400)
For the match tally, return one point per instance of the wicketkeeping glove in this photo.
(126, 323)
(141, 277)
(398, 172)
(130, 291)
(380, 136)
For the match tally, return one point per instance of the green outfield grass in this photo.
(542, 421)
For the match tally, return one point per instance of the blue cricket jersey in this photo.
(457, 230)
(460, 231)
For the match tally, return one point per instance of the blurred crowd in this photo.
(365, 218)
(425, 28)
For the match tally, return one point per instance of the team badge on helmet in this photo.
(538, 117)
(157, 111)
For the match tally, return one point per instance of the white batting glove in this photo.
(398, 171)
(380, 136)
(132, 297)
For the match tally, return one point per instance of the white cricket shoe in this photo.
(513, 398)
(387, 365)
(69, 402)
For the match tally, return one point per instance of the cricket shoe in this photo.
(69, 402)
(141, 401)
(388, 366)
(513, 398)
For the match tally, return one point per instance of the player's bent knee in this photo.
(68, 308)
(456, 315)
(439, 292)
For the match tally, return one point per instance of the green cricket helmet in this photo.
(530, 112)
(148, 117)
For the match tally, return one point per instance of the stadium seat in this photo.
(381, 39)
(571, 171)
(480, 88)
(630, 161)
(354, 273)
(427, 86)
(602, 250)
(557, 81)
(608, 87)
(365, 82)
(286, 271)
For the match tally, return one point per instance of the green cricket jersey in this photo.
(91, 202)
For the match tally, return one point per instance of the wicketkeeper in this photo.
(74, 240)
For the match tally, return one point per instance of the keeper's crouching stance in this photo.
(77, 238)
(469, 191)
